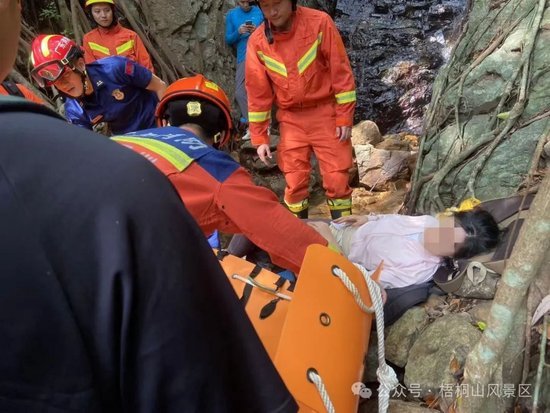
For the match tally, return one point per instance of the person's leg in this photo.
(335, 160)
(240, 90)
(293, 158)
(240, 246)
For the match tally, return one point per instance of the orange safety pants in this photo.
(312, 130)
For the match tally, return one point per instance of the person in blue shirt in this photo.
(115, 90)
(240, 22)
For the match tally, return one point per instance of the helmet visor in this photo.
(47, 73)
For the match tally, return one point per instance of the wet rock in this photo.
(401, 335)
(444, 343)
(365, 132)
(380, 37)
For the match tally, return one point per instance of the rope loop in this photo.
(316, 379)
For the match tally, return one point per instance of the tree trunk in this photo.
(489, 107)
(529, 252)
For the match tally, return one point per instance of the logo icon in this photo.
(194, 108)
(359, 389)
(118, 94)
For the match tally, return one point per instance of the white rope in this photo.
(318, 381)
(386, 376)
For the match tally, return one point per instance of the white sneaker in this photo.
(246, 136)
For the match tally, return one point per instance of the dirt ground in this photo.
(364, 201)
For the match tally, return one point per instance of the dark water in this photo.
(396, 48)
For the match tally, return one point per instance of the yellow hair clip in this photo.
(466, 205)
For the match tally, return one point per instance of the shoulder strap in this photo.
(12, 88)
(15, 104)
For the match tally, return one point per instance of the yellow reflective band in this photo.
(345, 97)
(339, 204)
(298, 206)
(44, 46)
(179, 159)
(211, 85)
(273, 64)
(99, 48)
(309, 57)
(259, 116)
(124, 47)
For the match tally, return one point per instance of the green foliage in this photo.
(49, 12)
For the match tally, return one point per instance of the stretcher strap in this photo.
(386, 376)
(247, 290)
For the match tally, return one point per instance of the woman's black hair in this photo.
(482, 232)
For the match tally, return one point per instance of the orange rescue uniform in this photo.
(307, 74)
(220, 194)
(26, 92)
(115, 41)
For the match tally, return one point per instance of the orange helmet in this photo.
(193, 91)
(50, 56)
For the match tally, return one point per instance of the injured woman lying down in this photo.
(412, 249)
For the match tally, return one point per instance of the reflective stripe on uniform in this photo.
(259, 116)
(339, 204)
(298, 206)
(124, 47)
(98, 48)
(345, 97)
(179, 159)
(309, 57)
(272, 64)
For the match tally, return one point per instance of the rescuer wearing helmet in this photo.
(115, 89)
(217, 191)
(109, 38)
(297, 61)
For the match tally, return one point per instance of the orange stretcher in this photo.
(314, 326)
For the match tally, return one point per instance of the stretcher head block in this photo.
(325, 330)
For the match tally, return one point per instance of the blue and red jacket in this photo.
(120, 97)
(220, 194)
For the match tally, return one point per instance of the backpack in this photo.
(510, 214)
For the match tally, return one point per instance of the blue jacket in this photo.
(119, 97)
(235, 17)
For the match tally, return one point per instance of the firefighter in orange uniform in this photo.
(297, 60)
(216, 190)
(109, 38)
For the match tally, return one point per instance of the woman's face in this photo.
(445, 239)
(102, 14)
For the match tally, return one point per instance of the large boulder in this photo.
(439, 352)
(401, 335)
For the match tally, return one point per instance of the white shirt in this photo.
(397, 241)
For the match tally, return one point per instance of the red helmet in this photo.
(200, 89)
(50, 55)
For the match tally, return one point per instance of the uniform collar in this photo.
(110, 30)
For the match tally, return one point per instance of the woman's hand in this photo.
(353, 220)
